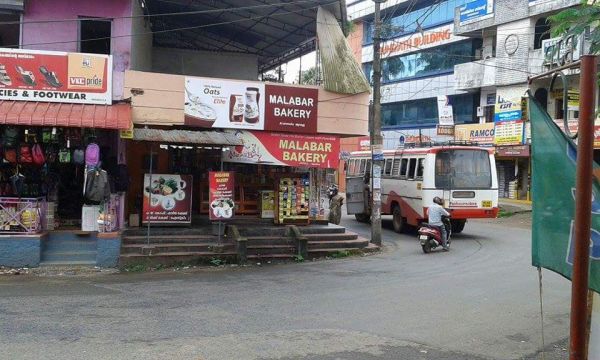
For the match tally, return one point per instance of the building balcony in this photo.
(476, 74)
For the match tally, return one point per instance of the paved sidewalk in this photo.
(515, 206)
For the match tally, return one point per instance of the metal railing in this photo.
(22, 215)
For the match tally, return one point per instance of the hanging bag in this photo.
(92, 155)
(64, 156)
(10, 155)
(78, 156)
(38, 155)
(25, 156)
(10, 137)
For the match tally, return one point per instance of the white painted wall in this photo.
(204, 63)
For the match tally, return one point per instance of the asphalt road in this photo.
(478, 301)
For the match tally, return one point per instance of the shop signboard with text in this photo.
(428, 38)
(53, 76)
(167, 199)
(574, 126)
(476, 10)
(221, 194)
(284, 149)
(482, 134)
(509, 133)
(251, 105)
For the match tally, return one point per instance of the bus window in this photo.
(463, 169)
(388, 167)
(351, 167)
(420, 166)
(412, 166)
(363, 164)
(396, 167)
(403, 168)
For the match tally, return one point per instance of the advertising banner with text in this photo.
(284, 149)
(509, 133)
(251, 105)
(53, 76)
(167, 199)
(476, 10)
(221, 194)
(483, 134)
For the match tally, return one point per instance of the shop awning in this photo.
(33, 113)
(187, 137)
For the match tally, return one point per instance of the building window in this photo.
(95, 36)
(423, 112)
(425, 14)
(542, 32)
(440, 60)
(10, 30)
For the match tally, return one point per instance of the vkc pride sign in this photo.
(52, 76)
(268, 148)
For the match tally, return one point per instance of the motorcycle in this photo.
(431, 237)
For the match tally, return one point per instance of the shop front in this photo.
(60, 190)
(281, 150)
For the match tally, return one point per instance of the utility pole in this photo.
(376, 138)
(583, 208)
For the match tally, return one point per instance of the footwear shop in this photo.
(63, 172)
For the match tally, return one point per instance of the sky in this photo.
(292, 68)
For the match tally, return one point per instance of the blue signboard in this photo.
(476, 10)
(508, 116)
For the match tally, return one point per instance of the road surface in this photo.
(478, 301)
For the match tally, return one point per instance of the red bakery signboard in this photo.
(284, 149)
(291, 109)
(221, 194)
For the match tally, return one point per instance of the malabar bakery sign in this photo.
(250, 105)
(53, 76)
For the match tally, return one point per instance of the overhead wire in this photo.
(174, 29)
(181, 13)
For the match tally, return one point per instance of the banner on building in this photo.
(167, 199)
(508, 133)
(221, 190)
(445, 115)
(476, 11)
(513, 151)
(554, 165)
(445, 130)
(252, 105)
(483, 134)
(508, 110)
(574, 126)
(54, 76)
(284, 149)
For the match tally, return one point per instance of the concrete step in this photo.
(76, 262)
(268, 250)
(160, 239)
(174, 247)
(355, 244)
(251, 231)
(269, 240)
(68, 245)
(154, 231)
(181, 254)
(69, 256)
(332, 237)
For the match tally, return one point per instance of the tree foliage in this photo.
(575, 21)
(309, 77)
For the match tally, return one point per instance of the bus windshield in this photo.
(463, 169)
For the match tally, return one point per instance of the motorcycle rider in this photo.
(435, 212)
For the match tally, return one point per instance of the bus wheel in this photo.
(398, 220)
(458, 226)
(363, 218)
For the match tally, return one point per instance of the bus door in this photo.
(357, 173)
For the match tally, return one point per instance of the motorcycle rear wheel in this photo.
(426, 247)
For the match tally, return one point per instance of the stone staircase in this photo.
(262, 243)
(69, 248)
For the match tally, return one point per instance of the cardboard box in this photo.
(89, 218)
(134, 220)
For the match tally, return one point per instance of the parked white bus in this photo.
(463, 176)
